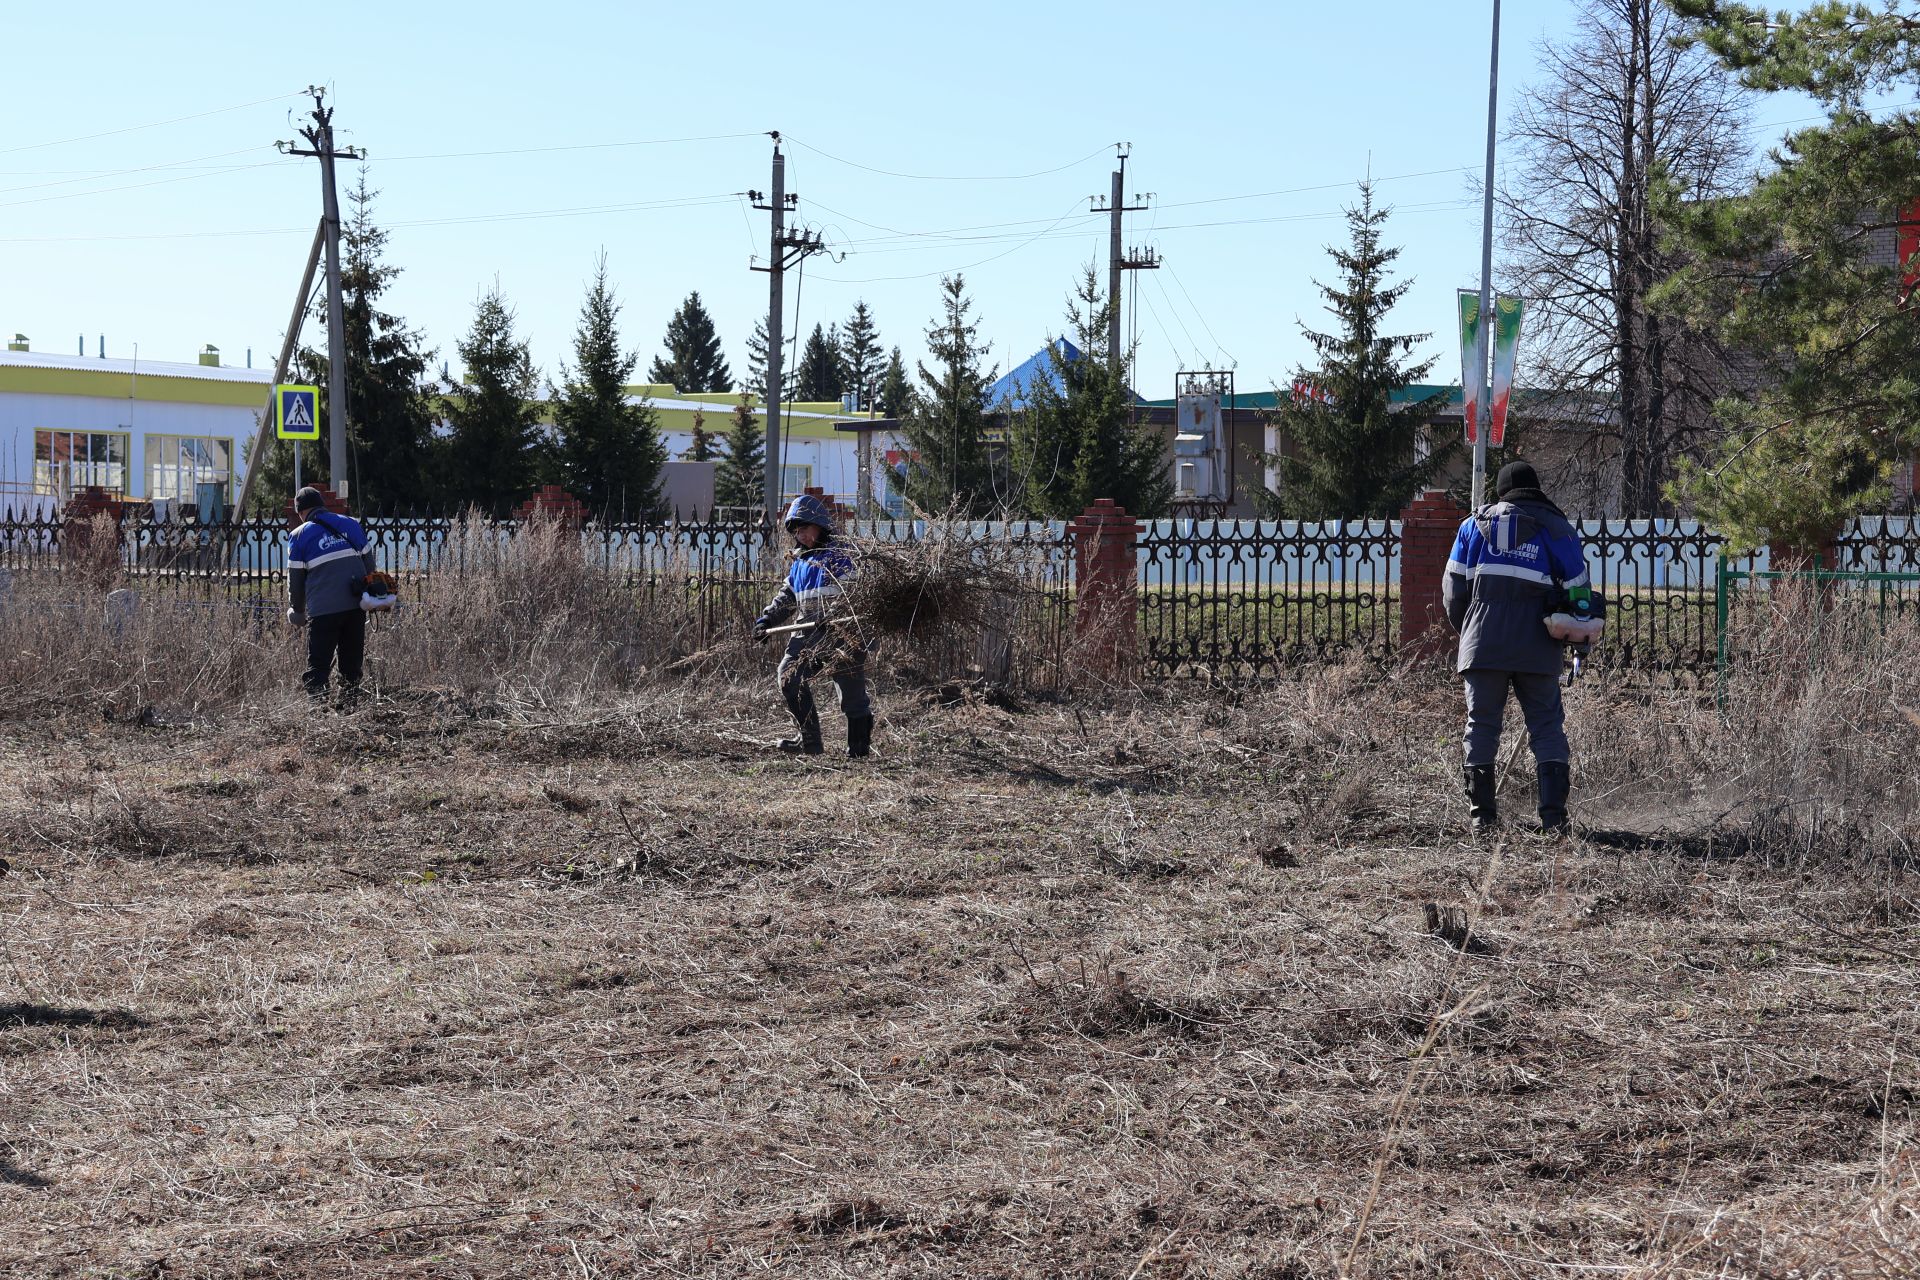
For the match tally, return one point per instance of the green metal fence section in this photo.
(1886, 584)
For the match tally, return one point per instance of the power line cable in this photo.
(682, 202)
(578, 146)
(968, 267)
(90, 175)
(141, 186)
(951, 177)
(1202, 317)
(136, 128)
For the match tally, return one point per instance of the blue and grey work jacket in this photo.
(327, 559)
(1509, 562)
(815, 582)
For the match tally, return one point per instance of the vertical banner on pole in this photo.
(1507, 313)
(1473, 359)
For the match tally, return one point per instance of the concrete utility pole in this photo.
(1119, 260)
(783, 251)
(1485, 372)
(319, 138)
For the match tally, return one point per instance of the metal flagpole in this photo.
(1486, 276)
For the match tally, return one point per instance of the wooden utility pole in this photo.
(319, 136)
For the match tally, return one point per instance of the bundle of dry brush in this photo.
(951, 603)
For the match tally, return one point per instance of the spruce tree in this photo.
(495, 435)
(1355, 446)
(757, 359)
(389, 396)
(896, 393)
(1788, 276)
(740, 479)
(860, 356)
(1076, 439)
(694, 361)
(607, 451)
(948, 464)
(818, 378)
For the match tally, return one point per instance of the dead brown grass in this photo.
(1128, 988)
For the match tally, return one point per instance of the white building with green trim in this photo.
(151, 430)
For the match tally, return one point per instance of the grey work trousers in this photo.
(1539, 698)
(808, 652)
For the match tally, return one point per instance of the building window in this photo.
(65, 462)
(1422, 446)
(796, 479)
(196, 469)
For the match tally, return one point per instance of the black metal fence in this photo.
(1218, 599)
(1244, 599)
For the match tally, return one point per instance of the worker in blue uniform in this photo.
(1513, 565)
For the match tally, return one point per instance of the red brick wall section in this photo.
(556, 504)
(76, 539)
(331, 500)
(1427, 529)
(1107, 585)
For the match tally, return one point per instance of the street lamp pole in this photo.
(1483, 373)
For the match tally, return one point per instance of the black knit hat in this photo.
(1515, 475)
(309, 498)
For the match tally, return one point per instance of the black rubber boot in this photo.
(859, 736)
(1555, 782)
(1481, 780)
(800, 703)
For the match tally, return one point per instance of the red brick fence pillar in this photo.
(555, 504)
(1427, 529)
(1106, 615)
(329, 499)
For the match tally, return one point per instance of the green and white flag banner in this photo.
(1473, 358)
(1507, 314)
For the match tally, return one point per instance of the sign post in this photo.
(296, 417)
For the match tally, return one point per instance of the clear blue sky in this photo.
(1249, 122)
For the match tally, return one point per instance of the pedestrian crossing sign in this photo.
(296, 412)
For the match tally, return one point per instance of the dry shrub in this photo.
(1807, 755)
(527, 614)
(95, 640)
(519, 617)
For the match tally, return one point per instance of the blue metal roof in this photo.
(1010, 391)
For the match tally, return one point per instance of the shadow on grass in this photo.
(46, 1015)
(14, 1176)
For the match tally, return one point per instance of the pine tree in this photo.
(607, 451)
(948, 464)
(896, 393)
(740, 479)
(860, 355)
(694, 361)
(495, 435)
(389, 396)
(1076, 439)
(1787, 277)
(1355, 447)
(701, 450)
(818, 377)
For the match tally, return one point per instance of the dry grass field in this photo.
(1131, 984)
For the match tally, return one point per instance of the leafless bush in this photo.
(1806, 752)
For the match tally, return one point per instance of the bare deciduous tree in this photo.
(1619, 110)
